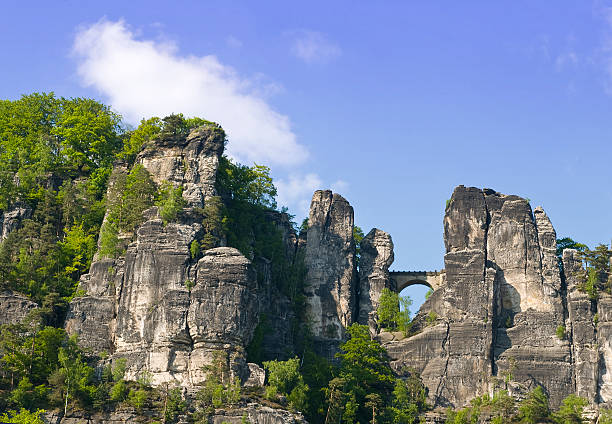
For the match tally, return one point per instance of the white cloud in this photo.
(296, 192)
(314, 47)
(144, 78)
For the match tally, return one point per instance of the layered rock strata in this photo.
(165, 312)
(376, 256)
(494, 322)
(331, 280)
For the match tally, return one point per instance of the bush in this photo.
(23, 417)
(138, 398)
(170, 201)
(534, 408)
(560, 332)
(119, 391)
(284, 378)
(571, 410)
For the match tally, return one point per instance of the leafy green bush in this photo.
(119, 392)
(138, 399)
(560, 332)
(170, 201)
(23, 417)
(284, 378)
(534, 408)
(571, 410)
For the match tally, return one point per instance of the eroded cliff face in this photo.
(331, 280)
(497, 314)
(156, 306)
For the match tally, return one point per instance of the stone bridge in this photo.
(403, 279)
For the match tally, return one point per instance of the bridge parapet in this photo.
(403, 279)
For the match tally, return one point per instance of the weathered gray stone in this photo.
(331, 281)
(189, 162)
(257, 376)
(499, 308)
(14, 307)
(11, 219)
(375, 259)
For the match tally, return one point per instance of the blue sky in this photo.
(391, 103)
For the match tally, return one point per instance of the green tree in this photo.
(136, 139)
(246, 184)
(170, 201)
(72, 378)
(284, 378)
(364, 369)
(23, 417)
(571, 410)
(388, 310)
(534, 408)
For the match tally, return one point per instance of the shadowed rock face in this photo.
(331, 281)
(156, 306)
(14, 307)
(499, 309)
(376, 258)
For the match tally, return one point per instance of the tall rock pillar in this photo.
(331, 279)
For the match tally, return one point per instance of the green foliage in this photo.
(73, 377)
(254, 349)
(130, 195)
(364, 369)
(605, 416)
(194, 249)
(567, 243)
(136, 139)
(246, 184)
(284, 378)
(174, 404)
(388, 309)
(560, 332)
(23, 417)
(358, 236)
(429, 293)
(219, 389)
(571, 410)
(408, 400)
(138, 399)
(390, 315)
(119, 391)
(213, 222)
(170, 201)
(109, 240)
(534, 408)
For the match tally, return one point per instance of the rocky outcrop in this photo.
(331, 280)
(158, 307)
(12, 218)
(190, 162)
(14, 307)
(376, 256)
(497, 314)
(253, 412)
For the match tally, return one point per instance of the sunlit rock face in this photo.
(499, 308)
(376, 256)
(162, 310)
(331, 281)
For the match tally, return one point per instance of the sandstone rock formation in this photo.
(156, 306)
(376, 258)
(14, 307)
(331, 280)
(498, 312)
(11, 218)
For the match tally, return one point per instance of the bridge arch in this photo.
(403, 279)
